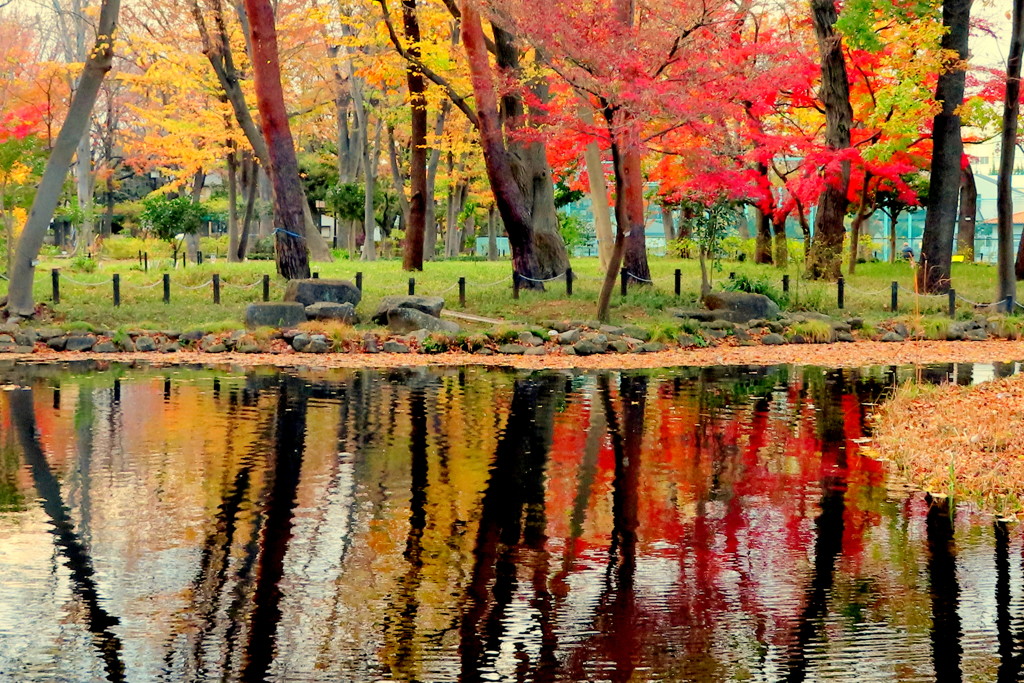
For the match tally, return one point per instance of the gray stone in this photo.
(171, 334)
(25, 337)
(651, 347)
(774, 327)
(216, 348)
(79, 343)
(741, 336)
(300, 342)
(274, 314)
(686, 340)
(57, 343)
(417, 335)
(247, 348)
(797, 339)
(512, 349)
(599, 339)
(569, 337)
(431, 305)
(637, 332)
(395, 347)
(841, 327)
(309, 291)
(145, 344)
(773, 339)
(193, 336)
(611, 329)
(125, 344)
(207, 342)
(569, 351)
(976, 335)
(530, 339)
(619, 346)
(691, 314)
(370, 344)
(855, 323)
(743, 306)
(716, 334)
(560, 325)
(404, 320)
(24, 349)
(719, 325)
(246, 343)
(844, 337)
(892, 337)
(589, 347)
(6, 339)
(535, 351)
(318, 344)
(105, 347)
(484, 352)
(172, 347)
(48, 333)
(901, 330)
(326, 310)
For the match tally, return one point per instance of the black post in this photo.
(167, 288)
(841, 291)
(216, 288)
(359, 281)
(145, 261)
(140, 257)
(952, 303)
(55, 280)
(679, 282)
(894, 297)
(462, 292)
(568, 281)
(623, 274)
(412, 286)
(117, 289)
(515, 285)
(266, 288)
(316, 276)
(785, 284)
(732, 276)
(199, 258)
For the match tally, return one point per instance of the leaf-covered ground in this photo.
(962, 441)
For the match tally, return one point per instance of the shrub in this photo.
(214, 246)
(124, 248)
(758, 285)
(815, 331)
(936, 328)
(262, 249)
(82, 264)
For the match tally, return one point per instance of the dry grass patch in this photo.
(967, 442)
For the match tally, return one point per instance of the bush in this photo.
(214, 246)
(123, 248)
(759, 285)
(82, 264)
(167, 217)
(262, 249)
(815, 331)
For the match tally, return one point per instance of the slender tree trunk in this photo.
(948, 149)
(292, 259)
(97, 64)
(492, 233)
(250, 205)
(232, 206)
(668, 222)
(968, 214)
(763, 242)
(430, 222)
(416, 229)
(370, 158)
(266, 194)
(825, 255)
(598, 194)
(781, 245)
(192, 239)
(864, 211)
(83, 186)
(1004, 197)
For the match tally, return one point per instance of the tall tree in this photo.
(947, 154)
(416, 228)
(967, 222)
(292, 258)
(98, 63)
(1004, 198)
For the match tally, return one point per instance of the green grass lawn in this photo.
(489, 290)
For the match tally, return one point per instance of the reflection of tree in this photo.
(945, 589)
(99, 622)
(512, 530)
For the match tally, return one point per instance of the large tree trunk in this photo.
(19, 298)
(232, 161)
(781, 256)
(826, 248)
(430, 222)
(864, 211)
(763, 241)
(371, 156)
(1004, 198)
(250, 205)
(492, 233)
(416, 229)
(292, 259)
(192, 239)
(668, 222)
(948, 150)
(968, 214)
(83, 187)
(599, 194)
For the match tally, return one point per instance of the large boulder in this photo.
(405, 320)
(742, 306)
(274, 314)
(431, 305)
(326, 310)
(313, 290)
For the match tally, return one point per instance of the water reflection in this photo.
(468, 525)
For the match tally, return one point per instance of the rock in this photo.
(105, 347)
(716, 334)
(171, 334)
(171, 347)
(743, 306)
(855, 323)
(691, 314)
(274, 314)
(797, 339)
(844, 337)
(431, 305)
(145, 344)
(560, 325)
(80, 343)
(48, 333)
(619, 346)
(370, 344)
(773, 339)
(512, 349)
(300, 342)
(126, 344)
(901, 330)
(611, 329)
(57, 343)
(719, 325)
(976, 335)
(418, 336)
(530, 339)
(395, 347)
(892, 337)
(318, 344)
(774, 327)
(536, 351)
(216, 348)
(636, 333)
(310, 291)
(841, 327)
(404, 320)
(484, 352)
(247, 348)
(24, 349)
(326, 310)
(207, 342)
(193, 336)
(569, 351)
(569, 337)
(651, 347)
(26, 337)
(246, 343)
(686, 340)
(589, 347)
(6, 339)
(741, 336)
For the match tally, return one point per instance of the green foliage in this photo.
(936, 328)
(565, 196)
(755, 285)
(574, 232)
(262, 249)
(683, 247)
(79, 326)
(82, 264)
(437, 342)
(664, 332)
(815, 331)
(120, 247)
(214, 246)
(167, 217)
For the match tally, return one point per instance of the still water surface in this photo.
(474, 525)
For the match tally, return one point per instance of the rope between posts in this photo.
(530, 279)
(231, 284)
(979, 304)
(858, 290)
(152, 284)
(639, 279)
(445, 291)
(489, 284)
(923, 296)
(65, 278)
(205, 284)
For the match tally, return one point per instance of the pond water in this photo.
(475, 525)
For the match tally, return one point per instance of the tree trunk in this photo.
(864, 211)
(266, 194)
(968, 214)
(416, 229)
(19, 300)
(781, 245)
(83, 187)
(430, 222)
(667, 222)
(948, 149)
(763, 241)
(598, 194)
(892, 235)
(492, 233)
(370, 159)
(826, 248)
(192, 238)
(292, 259)
(1008, 273)
(250, 205)
(232, 206)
